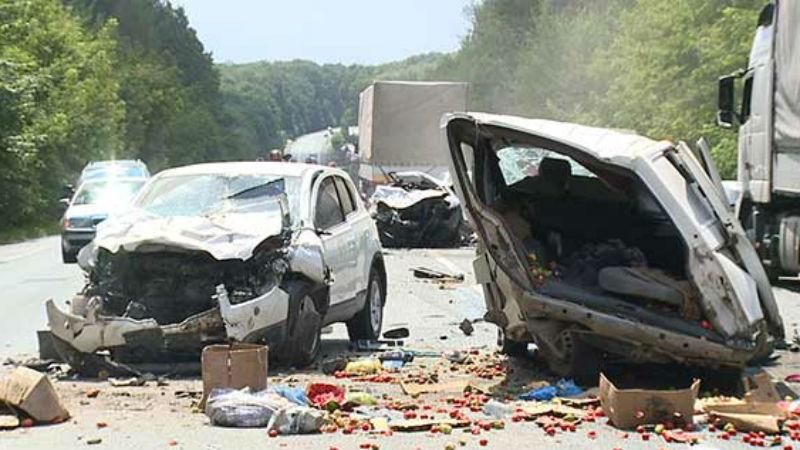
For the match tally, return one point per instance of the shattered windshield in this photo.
(204, 194)
(517, 163)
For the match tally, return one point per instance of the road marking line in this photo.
(26, 249)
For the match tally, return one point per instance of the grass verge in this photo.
(18, 234)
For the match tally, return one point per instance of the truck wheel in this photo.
(366, 325)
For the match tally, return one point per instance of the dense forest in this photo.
(644, 65)
(96, 79)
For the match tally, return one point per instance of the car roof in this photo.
(250, 168)
(112, 180)
(102, 165)
(604, 143)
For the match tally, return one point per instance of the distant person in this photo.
(275, 155)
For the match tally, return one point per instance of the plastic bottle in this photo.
(496, 409)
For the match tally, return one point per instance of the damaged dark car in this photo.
(416, 210)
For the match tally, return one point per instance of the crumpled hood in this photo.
(399, 198)
(225, 235)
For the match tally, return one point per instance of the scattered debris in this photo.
(793, 378)
(466, 327)
(325, 396)
(397, 333)
(563, 388)
(628, 408)
(243, 408)
(127, 382)
(295, 395)
(32, 393)
(366, 366)
(234, 366)
(426, 424)
(430, 274)
(8, 421)
(750, 422)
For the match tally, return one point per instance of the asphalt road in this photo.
(31, 272)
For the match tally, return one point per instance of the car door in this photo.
(737, 240)
(335, 232)
(497, 247)
(355, 243)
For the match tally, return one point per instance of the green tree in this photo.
(58, 104)
(665, 60)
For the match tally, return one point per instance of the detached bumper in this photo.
(90, 334)
(248, 321)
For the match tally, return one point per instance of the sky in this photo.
(327, 31)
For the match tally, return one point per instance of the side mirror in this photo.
(63, 203)
(725, 101)
(67, 191)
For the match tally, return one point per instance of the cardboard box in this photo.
(234, 366)
(628, 408)
(31, 392)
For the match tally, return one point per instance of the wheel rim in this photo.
(375, 306)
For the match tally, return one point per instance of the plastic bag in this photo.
(293, 394)
(363, 367)
(564, 388)
(297, 420)
(243, 408)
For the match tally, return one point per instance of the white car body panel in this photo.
(341, 260)
(735, 295)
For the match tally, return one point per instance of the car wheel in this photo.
(569, 356)
(366, 325)
(514, 349)
(68, 256)
(308, 339)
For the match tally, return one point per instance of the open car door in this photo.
(698, 179)
(498, 248)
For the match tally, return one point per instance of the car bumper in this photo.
(250, 321)
(74, 240)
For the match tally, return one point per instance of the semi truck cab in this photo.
(767, 118)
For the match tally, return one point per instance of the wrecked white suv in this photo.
(599, 245)
(252, 252)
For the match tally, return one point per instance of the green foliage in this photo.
(665, 60)
(96, 79)
(168, 82)
(58, 104)
(267, 103)
(645, 65)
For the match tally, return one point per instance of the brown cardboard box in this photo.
(31, 392)
(234, 366)
(628, 408)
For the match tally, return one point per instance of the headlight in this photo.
(79, 222)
